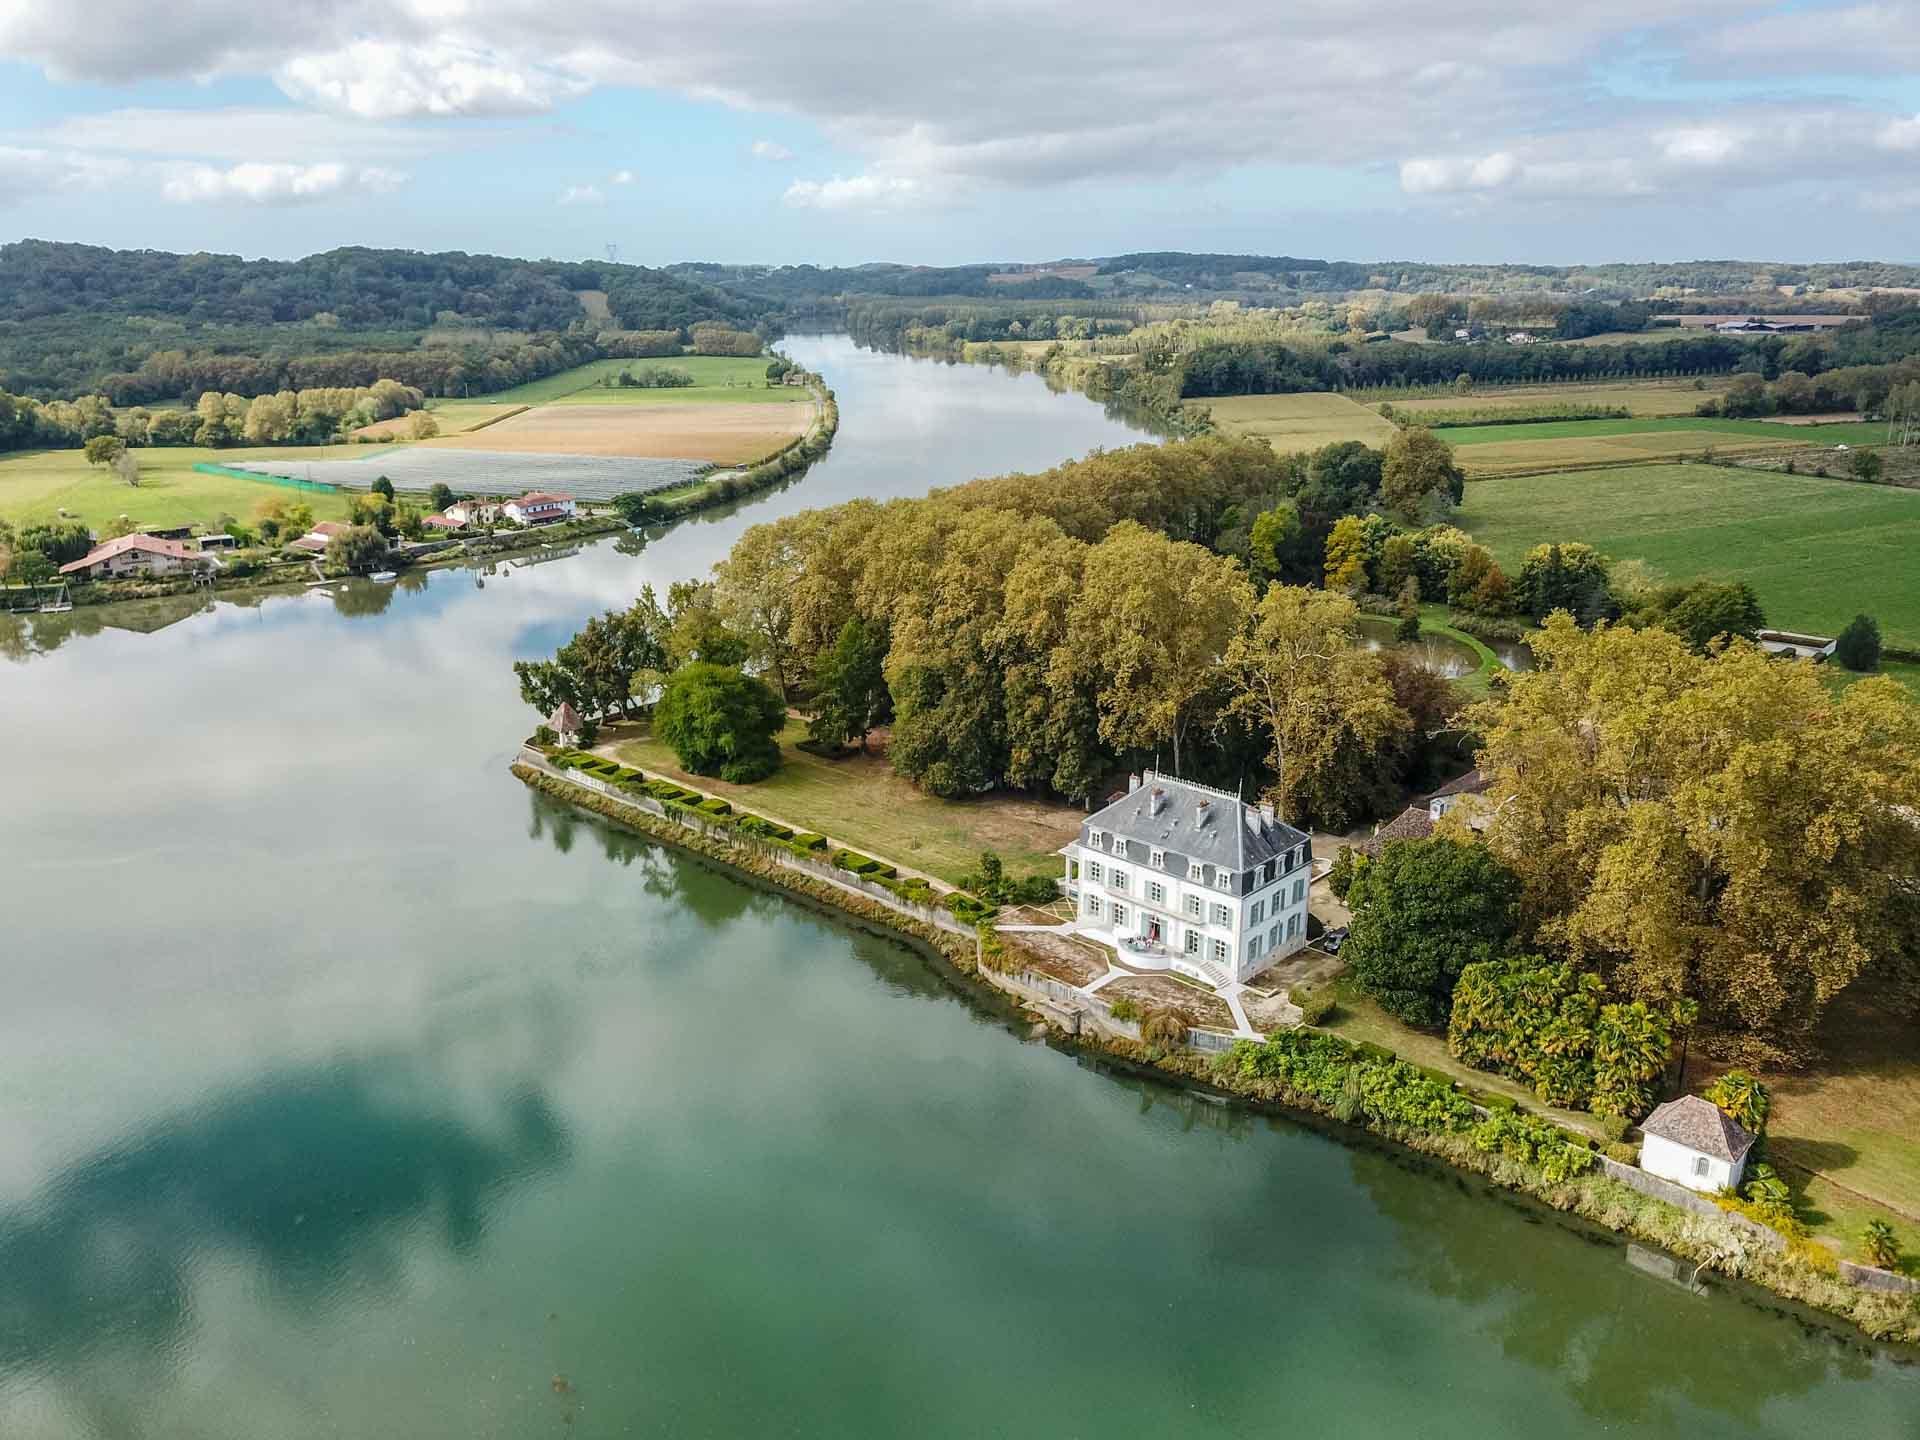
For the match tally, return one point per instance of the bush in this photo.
(715, 806)
(1624, 1153)
(1315, 1004)
(808, 841)
(1858, 646)
(720, 722)
(1614, 1127)
(543, 735)
(1879, 1246)
(1164, 1028)
(1125, 1010)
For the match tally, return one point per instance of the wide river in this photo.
(348, 1089)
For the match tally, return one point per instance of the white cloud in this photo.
(239, 133)
(771, 150)
(260, 183)
(384, 80)
(1891, 202)
(620, 177)
(582, 195)
(27, 171)
(1900, 135)
(858, 192)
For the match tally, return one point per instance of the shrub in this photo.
(715, 806)
(1858, 647)
(543, 735)
(1532, 1141)
(1624, 1153)
(1878, 1245)
(1614, 1127)
(720, 722)
(1125, 1010)
(808, 841)
(1164, 1028)
(1315, 1004)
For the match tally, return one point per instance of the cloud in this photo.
(1891, 202)
(771, 150)
(582, 195)
(31, 171)
(858, 192)
(620, 177)
(239, 133)
(384, 80)
(260, 183)
(1900, 135)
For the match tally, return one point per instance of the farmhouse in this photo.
(472, 512)
(316, 540)
(538, 508)
(138, 555)
(1692, 1142)
(441, 522)
(1180, 876)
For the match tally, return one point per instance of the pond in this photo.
(1444, 656)
(351, 1090)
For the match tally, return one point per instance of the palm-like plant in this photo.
(1879, 1244)
(1743, 1099)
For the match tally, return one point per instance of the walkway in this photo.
(1117, 969)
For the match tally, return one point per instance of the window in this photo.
(1119, 916)
(1273, 937)
(1094, 871)
(1224, 879)
(1196, 872)
(1158, 859)
(1222, 952)
(1117, 878)
(1096, 838)
(1193, 941)
(1093, 906)
(1299, 889)
(1258, 913)
(1293, 926)
(1222, 915)
(1193, 906)
(1267, 871)
(1699, 1167)
(1156, 893)
(1253, 948)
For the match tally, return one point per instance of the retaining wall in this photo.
(1634, 1178)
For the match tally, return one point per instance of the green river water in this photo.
(348, 1089)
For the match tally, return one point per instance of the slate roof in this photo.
(1699, 1125)
(1196, 821)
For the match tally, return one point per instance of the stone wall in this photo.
(1634, 1178)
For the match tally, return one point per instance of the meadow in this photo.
(729, 379)
(1297, 422)
(1844, 432)
(37, 484)
(1816, 551)
(1642, 398)
(1486, 450)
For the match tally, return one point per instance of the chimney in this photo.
(1157, 802)
(1133, 782)
(1267, 813)
(1205, 808)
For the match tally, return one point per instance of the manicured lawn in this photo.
(1297, 422)
(861, 803)
(36, 484)
(1817, 551)
(732, 378)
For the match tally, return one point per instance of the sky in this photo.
(843, 131)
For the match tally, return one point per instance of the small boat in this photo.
(56, 607)
(384, 575)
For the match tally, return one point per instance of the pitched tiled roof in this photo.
(1699, 1125)
(540, 497)
(1471, 783)
(1196, 821)
(1412, 823)
(144, 543)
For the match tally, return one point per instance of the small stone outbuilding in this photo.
(1694, 1143)
(566, 724)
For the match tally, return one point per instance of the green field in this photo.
(37, 484)
(1845, 432)
(861, 803)
(1816, 551)
(732, 378)
(1637, 397)
(1297, 422)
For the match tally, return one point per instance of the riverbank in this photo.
(1517, 1155)
(789, 460)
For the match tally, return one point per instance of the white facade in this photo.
(538, 509)
(1683, 1165)
(1139, 881)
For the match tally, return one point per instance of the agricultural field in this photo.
(1297, 422)
(1817, 551)
(1557, 445)
(37, 484)
(454, 417)
(735, 379)
(1641, 398)
(415, 469)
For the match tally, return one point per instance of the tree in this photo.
(27, 566)
(753, 592)
(1705, 611)
(1866, 465)
(1743, 1100)
(1347, 555)
(422, 426)
(698, 630)
(1299, 673)
(1717, 828)
(1418, 474)
(126, 466)
(104, 449)
(1422, 912)
(440, 496)
(850, 685)
(359, 549)
(382, 486)
(1570, 577)
(1275, 533)
(1858, 647)
(721, 721)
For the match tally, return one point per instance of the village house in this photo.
(539, 508)
(441, 522)
(472, 512)
(316, 540)
(1417, 821)
(139, 555)
(1694, 1143)
(1179, 876)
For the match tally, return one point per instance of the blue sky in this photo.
(843, 132)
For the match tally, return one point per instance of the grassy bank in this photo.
(863, 804)
(36, 485)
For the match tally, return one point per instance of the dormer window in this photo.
(1224, 879)
(1096, 838)
(1196, 872)
(1159, 859)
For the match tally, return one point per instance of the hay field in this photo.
(454, 417)
(1818, 552)
(721, 433)
(1640, 398)
(1297, 422)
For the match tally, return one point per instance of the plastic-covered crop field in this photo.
(487, 472)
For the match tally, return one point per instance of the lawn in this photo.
(1645, 398)
(733, 378)
(1817, 551)
(1297, 422)
(859, 802)
(35, 485)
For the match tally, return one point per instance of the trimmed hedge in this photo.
(714, 805)
(806, 841)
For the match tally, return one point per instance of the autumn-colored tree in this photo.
(1714, 827)
(1299, 673)
(753, 590)
(1419, 475)
(1346, 567)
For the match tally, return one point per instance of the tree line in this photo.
(313, 416)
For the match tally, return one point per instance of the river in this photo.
(351, 1090)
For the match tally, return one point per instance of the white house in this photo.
(1179, 876)
(1693, 1143)
(138, 555)
(316, 540)
(539, 508)
(1463, 792)
(472, 512)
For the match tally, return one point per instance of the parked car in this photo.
(1334, 939)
